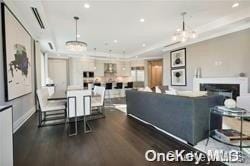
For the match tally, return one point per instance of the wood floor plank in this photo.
(117, 140)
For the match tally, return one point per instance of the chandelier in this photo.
(184, 34)
(75, 45)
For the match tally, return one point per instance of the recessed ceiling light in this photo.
(86, 5)
(143, 45)
(115, 41)
(78, 35)
(235, 5)
(142, 20)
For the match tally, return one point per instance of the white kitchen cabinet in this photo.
(6, 136)
(87, 65)
(76, 68)
(118, 69)
(99, 71)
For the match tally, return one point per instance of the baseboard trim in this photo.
(19, 122)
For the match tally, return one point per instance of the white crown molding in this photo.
(202, 31)
(86, 56)
(236, 29)
(212, 26)
(91, 54)
(228, 20)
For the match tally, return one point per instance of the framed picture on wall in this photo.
(178, 58)
(17, 54)
(178, 77)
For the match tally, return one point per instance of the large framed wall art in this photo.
(178, 67)
(17, 54)
(178, 77)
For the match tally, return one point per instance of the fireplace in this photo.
(230, 87)
(227, 90)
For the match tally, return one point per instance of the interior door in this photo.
(58, 73)
(156, 77)
(155, 73)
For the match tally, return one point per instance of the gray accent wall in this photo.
(21, 105)
(224, 56)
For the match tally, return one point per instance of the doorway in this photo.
(57, 71)
(155, 71)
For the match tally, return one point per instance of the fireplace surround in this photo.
(227, 90)
(230, 86)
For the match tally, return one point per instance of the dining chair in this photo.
(97, 102)
(108, 88)
(46, 106)
(79, 105)
(119, 87)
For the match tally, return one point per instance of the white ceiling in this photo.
(106, 21)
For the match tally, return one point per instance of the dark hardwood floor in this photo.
(116, 140)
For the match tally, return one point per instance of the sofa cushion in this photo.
(192, 93)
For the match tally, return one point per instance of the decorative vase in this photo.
(230, 103)
(198, 72)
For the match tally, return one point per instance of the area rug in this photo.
(121, 107)
(215, 145)
(212, 144)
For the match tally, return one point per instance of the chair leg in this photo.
(85, 125)
(45, 116)
(76, 125)
(74, 134)
(39, 119)
(103, 111)
(66, 119)
(110, 101)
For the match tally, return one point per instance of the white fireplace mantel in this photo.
(242, 81)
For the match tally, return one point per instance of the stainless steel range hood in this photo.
(110, 68)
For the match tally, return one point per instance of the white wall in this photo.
(42, 69)
(224, 56)
(24, 106)
(39, 64)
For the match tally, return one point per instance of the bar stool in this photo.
(129, 85)
(97, 84)
(119, 85)
(108, 88)
(85, 85)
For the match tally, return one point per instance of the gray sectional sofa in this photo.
(184, 117)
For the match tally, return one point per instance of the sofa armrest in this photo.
(201, 114)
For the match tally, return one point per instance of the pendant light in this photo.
(75, 45)
(183, 34)
(110, 68)
(123, 65)
(95, 60)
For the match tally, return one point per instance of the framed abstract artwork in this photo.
(178, 58)
(178, 77)
(17, 56)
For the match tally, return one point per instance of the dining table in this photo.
(62, 95)
(59, 95)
